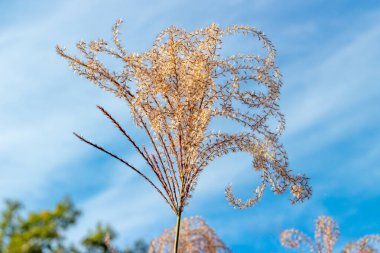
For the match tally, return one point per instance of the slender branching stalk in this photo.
(175, 89)
(325, 236)
(178, 227)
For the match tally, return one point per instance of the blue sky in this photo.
(328, 53)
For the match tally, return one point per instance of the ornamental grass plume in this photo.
(175, 89)
(325, 236)
(196, 237)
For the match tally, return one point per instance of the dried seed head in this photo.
(177, 88)
(325, 236)
(195, 237)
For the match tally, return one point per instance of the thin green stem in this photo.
(177, 233)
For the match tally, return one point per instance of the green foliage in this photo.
(40, 231)
(44, 231)
(94, 241)
(8, 222)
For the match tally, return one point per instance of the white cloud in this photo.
(331, 92)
